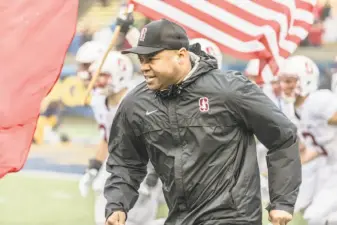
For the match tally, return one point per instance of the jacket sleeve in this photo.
(274, 130)
(126, 163)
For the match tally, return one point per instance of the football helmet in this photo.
(86, 55)
(305, 70)
(210, 48)
(117, 72)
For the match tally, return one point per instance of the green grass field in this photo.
(27, 199)
(35, 199)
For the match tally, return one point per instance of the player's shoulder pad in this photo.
(322, 94)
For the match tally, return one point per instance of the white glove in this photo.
(86, 181)
(88, 178)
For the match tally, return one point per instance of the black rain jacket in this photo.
(199, 136)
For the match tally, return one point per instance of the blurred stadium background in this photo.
(46, 191)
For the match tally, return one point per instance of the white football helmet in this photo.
(89, 52)
(86, 55)
(120, 69)
(252, 71)
(210, 48)
(305, 70)
(252, 68)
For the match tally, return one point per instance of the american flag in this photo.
(269, 30)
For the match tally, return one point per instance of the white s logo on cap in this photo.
(143, 34)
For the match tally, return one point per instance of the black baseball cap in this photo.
(160, 35)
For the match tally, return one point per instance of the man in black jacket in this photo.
(196, 125)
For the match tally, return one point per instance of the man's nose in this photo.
(144, 67)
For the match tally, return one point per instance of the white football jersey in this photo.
(110, 116)
(112, 110)
(99, 182)
(286, 107)
(315, 112)
(103, 113)
(100, 109)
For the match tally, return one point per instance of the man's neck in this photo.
(184, 74)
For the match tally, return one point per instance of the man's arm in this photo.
(308, 155)
(127, 164)
(333, 120)
(324, 106)
(275, 131)
(128, 32)
(308, 152)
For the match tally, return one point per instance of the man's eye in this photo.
(148, 60)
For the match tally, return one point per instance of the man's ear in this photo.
(181, 54)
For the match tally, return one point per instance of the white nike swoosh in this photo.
(149, 113)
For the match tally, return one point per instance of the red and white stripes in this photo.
(246, 29)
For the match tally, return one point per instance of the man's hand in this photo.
(279, 217)
(125, 20)
(116, 218)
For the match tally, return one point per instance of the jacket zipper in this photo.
(178, 160)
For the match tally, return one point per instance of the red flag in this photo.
(35, 35)
(269, 30)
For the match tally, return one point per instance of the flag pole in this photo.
(113, 42)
